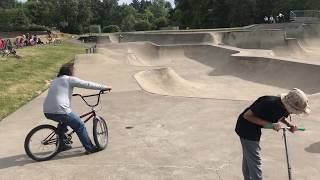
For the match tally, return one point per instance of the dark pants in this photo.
(75, 122)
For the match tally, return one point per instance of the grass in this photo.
(24, 79)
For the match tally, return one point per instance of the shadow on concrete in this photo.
(23, 159)
(313, 148)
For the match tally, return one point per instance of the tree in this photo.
(14, 17)
(161, 22)
(128, 16)
(7, 4)
(41, 12)
(68, 12)
(142, 25)
(242, 12)
(159, 9)
(110, 10)
(137, 5)
(84, 15)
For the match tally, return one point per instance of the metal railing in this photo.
(91, 50)
(305, 16)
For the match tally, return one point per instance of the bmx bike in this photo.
(44, 141)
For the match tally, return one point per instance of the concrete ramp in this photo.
(167, 39)
(293, 48)
(103, 39)
(145, 54)
(256, 39)
(141, 53)
(224, 71)
(114, 38)
(167, 82)
(273, 71)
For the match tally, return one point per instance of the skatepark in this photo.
(175, 101)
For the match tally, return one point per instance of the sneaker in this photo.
(93, 150)
(65, 147)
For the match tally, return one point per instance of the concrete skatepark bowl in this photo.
(175, 100)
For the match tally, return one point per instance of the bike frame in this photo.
(49, 140)
(92, 114)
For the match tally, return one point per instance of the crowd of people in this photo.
(8, 46)
(271, 19)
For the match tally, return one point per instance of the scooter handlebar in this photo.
(269, 126)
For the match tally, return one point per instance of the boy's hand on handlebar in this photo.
(293, 128)
(276, 126)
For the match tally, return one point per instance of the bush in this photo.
(142, 26)
(95, 29)
(111, 29)
(161, 22)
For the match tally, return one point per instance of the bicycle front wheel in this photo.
(100, 132)
(42, 143)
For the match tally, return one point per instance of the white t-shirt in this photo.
(60, 93)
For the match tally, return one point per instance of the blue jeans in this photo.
(251, 162)
(75, 122)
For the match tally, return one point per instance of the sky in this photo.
(120, 1)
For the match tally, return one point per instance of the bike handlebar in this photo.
(92, 95)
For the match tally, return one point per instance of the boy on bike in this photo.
(57, 105)
(266, 111)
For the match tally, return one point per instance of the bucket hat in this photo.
(296, 102)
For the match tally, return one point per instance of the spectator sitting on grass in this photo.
(2, 44)
(21, 41)
(32, 42)
(26, 40)
(35, 38)
(10, 48)
(18, 43)
(39, 41)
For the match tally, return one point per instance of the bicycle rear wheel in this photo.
(100, 132)
(42, 143)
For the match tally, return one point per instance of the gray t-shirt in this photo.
(60, 93)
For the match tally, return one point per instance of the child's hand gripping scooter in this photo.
(284, 129)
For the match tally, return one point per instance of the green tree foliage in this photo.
(84, 15)
(142, 25)
(161, 22)
(14, 17)
(129, 18)
(247, 8)
(111, 29)
(76, 16)
(137, 5)
(7, 4)
(41, 11)
(95, 29)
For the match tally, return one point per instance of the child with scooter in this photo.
(266, 111)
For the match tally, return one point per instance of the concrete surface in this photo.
(172, 113)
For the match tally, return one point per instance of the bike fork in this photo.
(287, 153)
